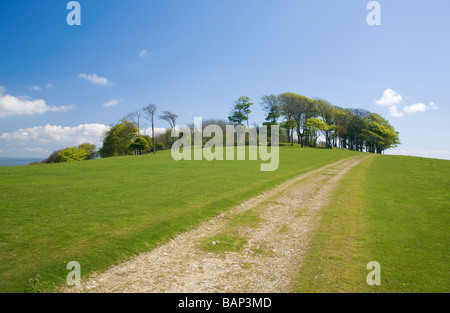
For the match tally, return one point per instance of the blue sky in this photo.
(196, 57)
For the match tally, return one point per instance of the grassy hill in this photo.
(389, 209)
(394, 210)
(102, 212)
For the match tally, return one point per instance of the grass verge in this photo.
(390, 209)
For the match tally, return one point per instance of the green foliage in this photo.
(241, 111)
(316, 124)
(85, 151)
(315, 127)
(298, 109)
(159, 146)
(328, 113)
(271, 106)
(289, 124)
(140, 145)
(354, 129)
(91, 148)
(118, 139)
(149, 141)
(379, 134)
(72, 154)
(164, 141)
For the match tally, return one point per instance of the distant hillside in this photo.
(17, 161)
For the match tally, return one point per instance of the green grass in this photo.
(248, 218)
(389, 209)
(102, 212)
(229, 239)
(225, 242)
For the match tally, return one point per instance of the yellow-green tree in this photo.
(118, 139)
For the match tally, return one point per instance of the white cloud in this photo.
(393, 111)
(144, 53)
(35, 88)
(414, 108)
(62, 136)
(420, 107)
(392, 99)
(148, 131)
(110, 103)
(11, 105)
(433, 106)
(95, 79)
(389, 98)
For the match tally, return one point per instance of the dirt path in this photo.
(268, 262)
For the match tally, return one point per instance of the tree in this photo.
(379, 134)
(327, 112)
(164, 140)
(301, 106)
(316, 126)
(341, 122)
(271, 105)
(135, 117)
(91, 148)
(355, 132)
(288, 102)
(118, 139)
(241, 111)
(311, 111)
(169, 117)
(297, 108)
(289, 125)
(149, 114)
(140, 145)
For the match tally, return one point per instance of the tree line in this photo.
(302, 120)
(126, 136)
(306, 120)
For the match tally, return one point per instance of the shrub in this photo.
(85, 151)
(165, 140)
(140, 145)
(159, 146)
(72, 154)
(52, 157)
